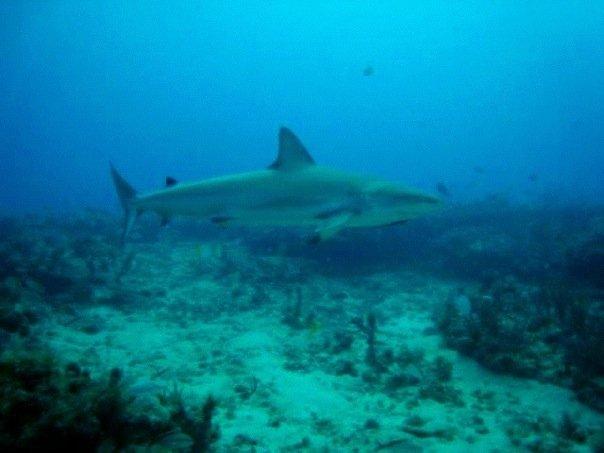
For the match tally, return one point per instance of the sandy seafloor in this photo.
(209, 318)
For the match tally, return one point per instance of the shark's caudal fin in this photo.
(126, 194)
(292, 153)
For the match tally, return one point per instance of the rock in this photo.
(398, 445)
(442, 393)
(14, 322)
(432, 430)
(587, 261)
(345, 367)
(10, 290)
(243, 440)
(371, 424)
(401, 380)
(415, 421)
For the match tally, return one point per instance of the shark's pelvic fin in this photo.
(331, 227)
(292, 154)
(126, 195)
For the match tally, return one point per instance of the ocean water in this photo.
(285, 312)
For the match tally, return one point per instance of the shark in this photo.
(291, 192)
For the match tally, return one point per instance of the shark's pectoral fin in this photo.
(330, 227)
(164, 220)
(221, 219)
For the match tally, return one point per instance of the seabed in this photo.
(306, 349)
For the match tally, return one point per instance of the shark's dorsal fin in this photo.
(170, 181)
(292, 153)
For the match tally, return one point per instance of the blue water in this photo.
(196, 90)
(479, 327)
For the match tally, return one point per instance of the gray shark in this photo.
(292, 191)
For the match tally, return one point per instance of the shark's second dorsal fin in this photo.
(292, 153)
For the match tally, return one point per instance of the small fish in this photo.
(478, 169)
(368, 71)
(533, 177)
(442, 189)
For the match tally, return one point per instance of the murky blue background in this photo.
(513, 87)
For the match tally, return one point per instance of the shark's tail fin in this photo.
(127, 195)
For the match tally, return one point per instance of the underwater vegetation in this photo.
(118, 348)
(549, 333)
(46, 406)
